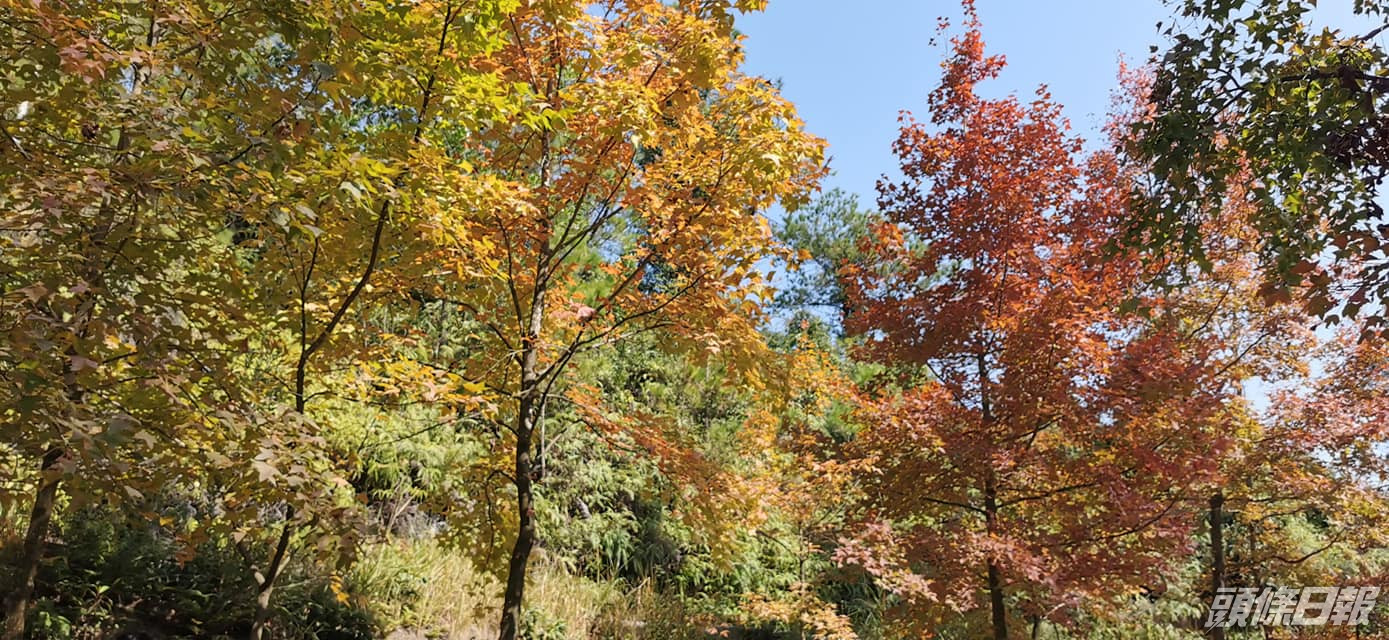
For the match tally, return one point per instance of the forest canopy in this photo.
(500, 319)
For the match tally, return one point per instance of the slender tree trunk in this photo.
(17, 604)
(265, 582)
(260, 627)
(997, 606)
(1217, 517)
(530, 401)
(41, 515)
(525, 533)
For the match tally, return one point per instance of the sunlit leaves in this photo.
(1032, 428)
(1250, 102)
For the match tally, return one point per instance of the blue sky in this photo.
(851, 66)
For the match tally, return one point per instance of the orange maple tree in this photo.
(631, 204)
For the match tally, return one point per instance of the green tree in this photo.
(1247, 92)
(824, 237)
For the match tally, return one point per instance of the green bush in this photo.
(108, 571)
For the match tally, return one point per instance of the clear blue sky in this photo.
(851, 66)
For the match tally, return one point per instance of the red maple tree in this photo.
(1040, 443)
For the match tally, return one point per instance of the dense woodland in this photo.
(531, 319)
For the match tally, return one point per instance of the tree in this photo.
(825, 238)
(633, 207)
(1290, 483)
(1249, 91)
(367, 191)
(105, 296)
(199, 198)
(1302, 500)
(1048, 439)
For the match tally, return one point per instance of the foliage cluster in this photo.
(460, 319)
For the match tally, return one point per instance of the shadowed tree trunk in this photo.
(1217, 517)
(997, 611)
(17, 604)
(525, 533)
(265, 582)
(526, 417)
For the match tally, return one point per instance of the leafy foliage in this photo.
(339, 318)
(1249, 93)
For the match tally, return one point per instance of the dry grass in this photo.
(434, 590)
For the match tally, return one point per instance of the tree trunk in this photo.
(1217, 517)
(997, 607)
(40, 517)
(528, 407)
(265, 583)
(525, 533)
(998, 612)
(35, 538)
(260, 627)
